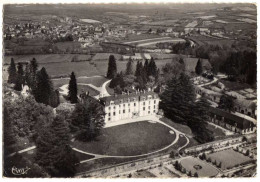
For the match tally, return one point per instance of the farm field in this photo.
(129, 139)
(206, 170)
(134, 37)
(153, 41)
(41, 59)
(228, 158)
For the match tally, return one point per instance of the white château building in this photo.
(130, 105)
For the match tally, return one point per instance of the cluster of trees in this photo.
(38, 82)
(238, 61)
(180, 168)
(240, 66)
(226, 103)
(144, 77)
(87, 120)
(25, 118)
(179, 104)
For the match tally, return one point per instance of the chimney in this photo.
(128, 92)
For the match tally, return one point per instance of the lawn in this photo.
(64, 69)
(96, 81)
(191, 164)
(217, 132)
(234, 85)
(228, 158)
(86, 88)
(41, 58)
(129, 139)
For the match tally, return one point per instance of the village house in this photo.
(130, 105)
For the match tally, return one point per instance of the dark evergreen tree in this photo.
(138, 69)
(43, 88)
(129, 67)
(53, 151)
(20, 69)
(30, 74)
(87, 119)
(54, 99)
(178, 104)
(112, 68)
(198, 122)
(8, 134)
(198, 68)
(18, 82)
(12, 72)
(226, 103)
(177, 99)
(19, 77)
(73, 90)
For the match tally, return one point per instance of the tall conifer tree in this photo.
(73, 90)
(12, 72)
(112, 68)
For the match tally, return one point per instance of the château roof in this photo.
(123, 98)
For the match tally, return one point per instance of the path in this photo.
(143, 40)
(209, 83)
(22, 151)
(67, 78)
(104, 90)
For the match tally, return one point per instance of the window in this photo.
(155, 101)
(149, 107)
(114, 113)
(154, 106)
(109, 114)
(144, 103)
(148, 112)
(129, 110)
(124, 105)
(119, 111)
(109, 108)
(144, 108)
(114, 107)
(134, 104)
(109, 119)
(123, 111)
(149, 102)
(153, 111)
(128, 104)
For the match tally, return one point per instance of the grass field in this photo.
(228, 158)
(96, 81)
(205, 171)
(60, 65)
(65, 69)
(129, 139)
(41, 59)
(86, 88)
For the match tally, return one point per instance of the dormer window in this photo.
(111, 102)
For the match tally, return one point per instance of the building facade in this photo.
(130, 105)
(231, 121)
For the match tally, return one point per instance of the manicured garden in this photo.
(198, 166)
(129, 139)
(228, 159)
